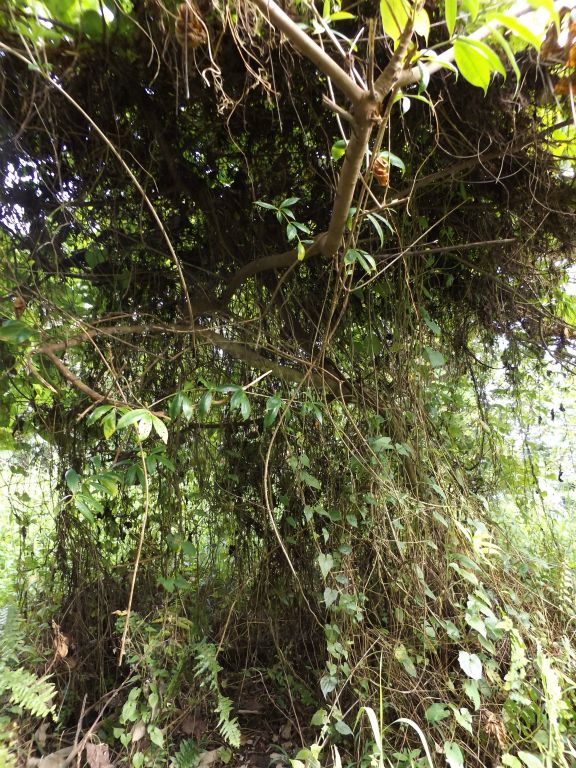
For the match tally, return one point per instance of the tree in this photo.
(252, 255)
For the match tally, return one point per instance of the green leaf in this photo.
(327, 684)
(402, 655)
(463, 717)
(451, 630)
(530, 760)
(472, 64)
(15, 332)
(492, 57)
(422, 24)
(432, 56)
(239, 401)
(132, 417)
(92, 24)
(330, 596)
(109, 424)
(377, 226)
(72, 479)
(436, 713)
(144, 426)
(205, 403)
(326, 563)
(80, 500)
(506, 47)
(160, 429)
(268, 206)
(175, 405)
(366, 261)
(156, 735)
(437, 359)
(382, 443)
(393, 159)
(97, 413)
(109, 483)
(291, 232)
(519, 29)
(310, 480)
(301, 251)
(451, 10)
(432, 324)
(341, 15)
(477, 623)
(454, 756)
(168, 584)
(342, 728)
(290, 201)
(472, 7)
(302, 227)
(187, 407)
(395, 15)
(319, 718)
(225, 755)
(470, 665)
(470, 688)
(510, 761)
(273, 405)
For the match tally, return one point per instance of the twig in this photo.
(138, 556)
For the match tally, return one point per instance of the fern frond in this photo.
(11, 636)
(207, 668)
(229, 728)
(32, 693)
(6, 759)
(187, 756)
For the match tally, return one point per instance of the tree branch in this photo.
(267, 263)
(324, 380)
(310, 49)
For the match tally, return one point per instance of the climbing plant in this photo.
(261, 263)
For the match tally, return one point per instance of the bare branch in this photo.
(322, 379)
(391, 74)
(364, 120)
(268, 263)
(310, 49)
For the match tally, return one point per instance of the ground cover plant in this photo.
(286, 344)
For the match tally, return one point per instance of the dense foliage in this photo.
(248, 350)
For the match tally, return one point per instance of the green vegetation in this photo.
(286, 409)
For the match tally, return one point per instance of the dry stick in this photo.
(268, 499)
(125, 166)
(138, 555)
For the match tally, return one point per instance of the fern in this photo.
(11, 637)
(207, 668)
(28, 691)
(187, 756)
(23, 688)
(6, 759)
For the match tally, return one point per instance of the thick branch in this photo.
(365, 117)
(363, 123)
(310, 49)
(241, 351)
(391, 73)
(268, 263)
